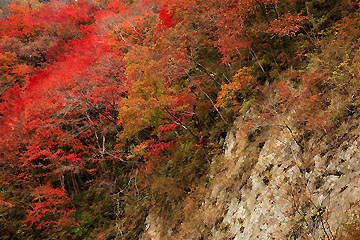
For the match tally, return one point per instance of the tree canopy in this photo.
(110, 108)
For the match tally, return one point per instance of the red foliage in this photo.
(288, 24)
(50, 208)
(87, 84)
(165, 17)
(53, 121)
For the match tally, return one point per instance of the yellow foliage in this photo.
(239, 88)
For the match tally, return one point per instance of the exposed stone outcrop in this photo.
(267, 205)
(277, 191)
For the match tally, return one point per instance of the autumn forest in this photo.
(110, 109)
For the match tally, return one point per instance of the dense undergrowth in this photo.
(111, 109)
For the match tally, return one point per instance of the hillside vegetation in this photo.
(114, 109)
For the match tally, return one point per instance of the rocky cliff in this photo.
(268, 187)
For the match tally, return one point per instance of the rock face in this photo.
(272, 189)
(280, 193)
(153, 227)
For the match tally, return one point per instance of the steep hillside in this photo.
(187, 119)
(266, 187)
